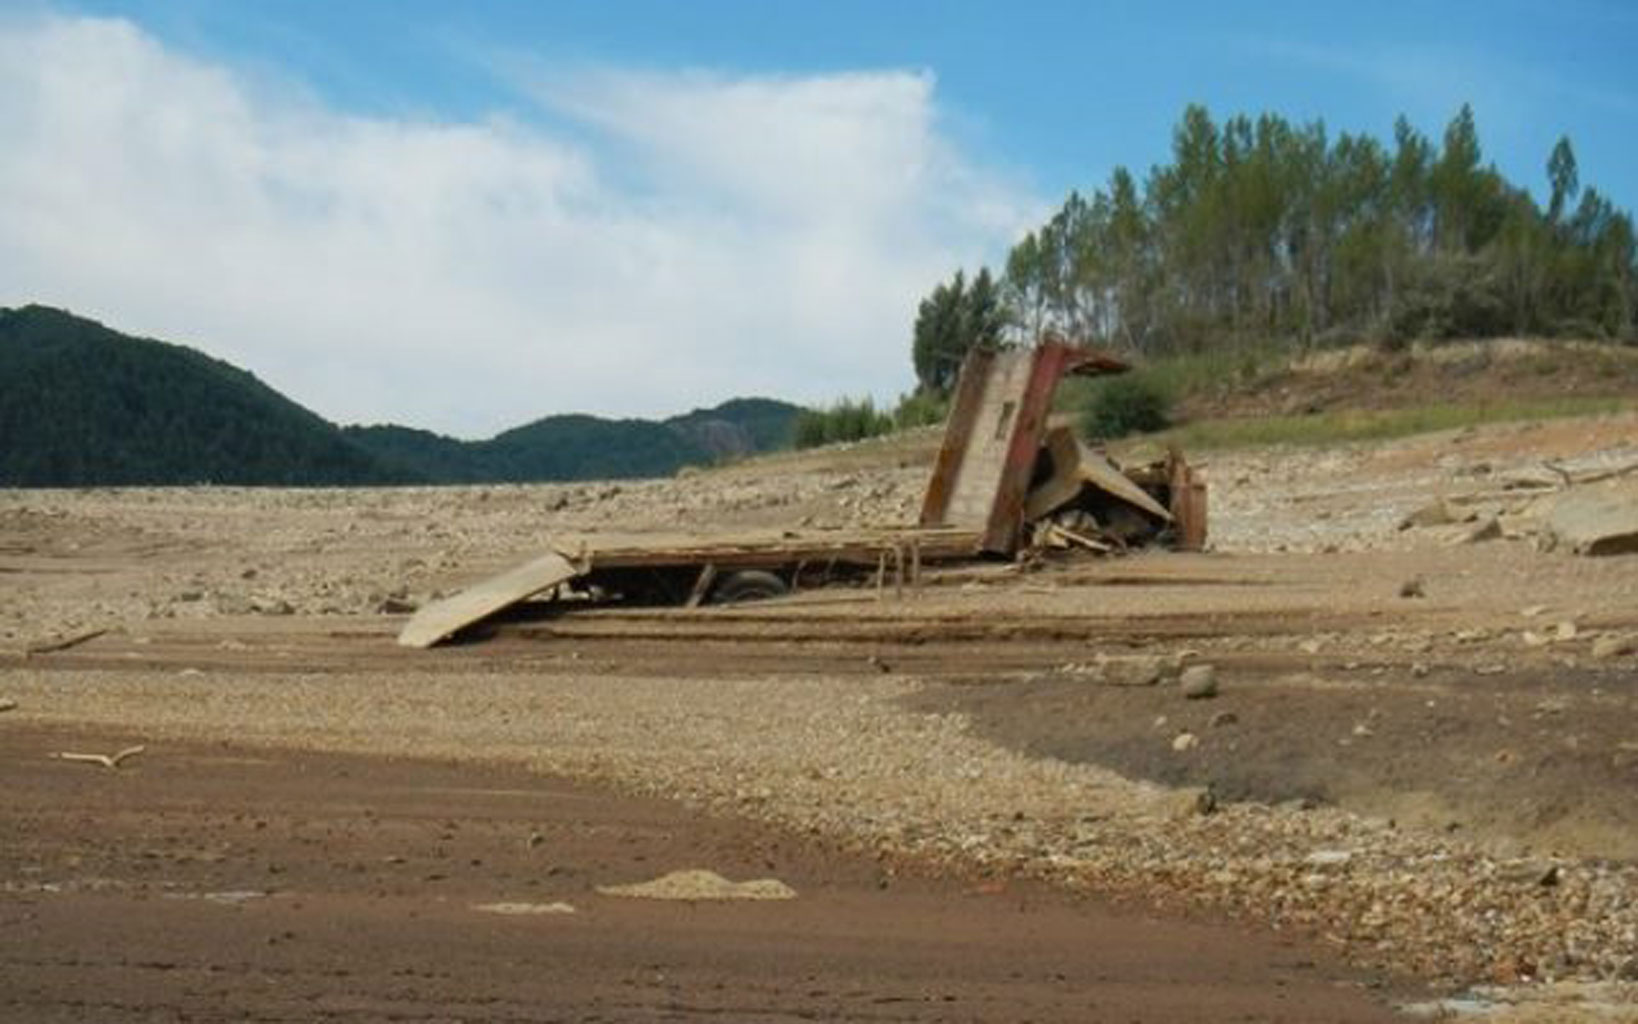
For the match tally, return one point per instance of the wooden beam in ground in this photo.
(442, 619)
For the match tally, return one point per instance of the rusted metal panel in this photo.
(1188, 503)
(996, 426)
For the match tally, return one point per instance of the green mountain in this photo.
(579, 447)
(83, 405)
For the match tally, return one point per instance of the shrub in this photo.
(846, 420)
(920, 408)
(1128, 404)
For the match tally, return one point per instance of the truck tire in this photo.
(748, 585)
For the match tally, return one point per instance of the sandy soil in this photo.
(1436, 785)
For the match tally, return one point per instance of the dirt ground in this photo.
(223, 883)
(1419, 757)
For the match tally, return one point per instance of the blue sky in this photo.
(467, 215)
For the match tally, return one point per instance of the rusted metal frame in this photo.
(939, 544)
(958, 431)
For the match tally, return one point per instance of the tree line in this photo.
(1260, 230)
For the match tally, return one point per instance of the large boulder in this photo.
(1601, 519)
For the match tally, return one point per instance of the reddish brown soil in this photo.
(215, 883)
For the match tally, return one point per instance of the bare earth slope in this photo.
(1421, 753)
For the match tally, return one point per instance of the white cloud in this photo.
(685, 237)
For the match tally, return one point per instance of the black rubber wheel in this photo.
(748, 585)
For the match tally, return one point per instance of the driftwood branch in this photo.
(63, 643)
(106, 760)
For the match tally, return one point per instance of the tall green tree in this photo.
(1261, 229)
(953, 319)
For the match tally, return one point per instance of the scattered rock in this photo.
(7, 704)
(1328, 858)
(1597, 520)
(395, 606)
(1185, 741)
(1439, 513)
(1223, 718)
(1489, 529)
(1614, 646)
(1412, 588)
(1199, 682)
(1137, 670)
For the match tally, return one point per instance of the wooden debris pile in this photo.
(1081, 499)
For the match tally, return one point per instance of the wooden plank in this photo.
(442, 619)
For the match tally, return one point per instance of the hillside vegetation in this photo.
(83, 405)
(1267, 237)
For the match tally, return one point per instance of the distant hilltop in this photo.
(84, 405)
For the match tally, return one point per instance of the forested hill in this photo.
(84, 405)
(579, 447)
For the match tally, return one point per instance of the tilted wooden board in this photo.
(442, 619)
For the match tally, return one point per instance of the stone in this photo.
(1223, 718)
(1328, 858)
(1199, 682)
(7, 704)
(1439, 513)
(1412, 588)
(1614, 646)
(1136, 670)
(1597, 520)
(1488, 529)
(1185, 741)
(1194, 801)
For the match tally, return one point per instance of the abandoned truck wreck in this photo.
(1003, 482)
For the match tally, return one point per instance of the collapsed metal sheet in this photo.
(1074, 466)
